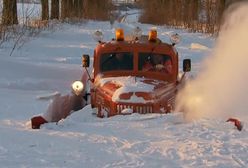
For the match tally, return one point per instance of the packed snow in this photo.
(127, 85)
(48, 64)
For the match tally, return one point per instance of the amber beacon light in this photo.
(119, 34)
(152, 36)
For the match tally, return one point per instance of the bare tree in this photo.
(78, 8)
(202, 16)
(64, 9)
(71, 9)
(9, 16)
(95, 9)
(45, 10)
(55, 9)
(87, 9)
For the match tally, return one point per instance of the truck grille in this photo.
(136, 108)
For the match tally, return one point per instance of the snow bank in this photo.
(197, 46)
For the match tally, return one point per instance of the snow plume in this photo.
(221, 89)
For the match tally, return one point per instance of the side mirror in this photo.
(86, 61)
(186, 65)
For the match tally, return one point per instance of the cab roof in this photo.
(131, 44)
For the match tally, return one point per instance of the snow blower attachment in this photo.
(63, 105)
(137, 74)
(59, 108)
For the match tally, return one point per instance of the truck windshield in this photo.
(116, 61)
(155, 62)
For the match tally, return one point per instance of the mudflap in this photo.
(59, 108)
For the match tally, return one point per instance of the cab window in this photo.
(116, 61)
(154, 62)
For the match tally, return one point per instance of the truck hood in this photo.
(133, 89)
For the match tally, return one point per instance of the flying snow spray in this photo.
(221, 89)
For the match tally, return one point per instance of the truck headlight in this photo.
(77, 87)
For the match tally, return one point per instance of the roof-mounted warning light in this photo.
(119, 34)
(152, 36)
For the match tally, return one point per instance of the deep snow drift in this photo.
(50, 63)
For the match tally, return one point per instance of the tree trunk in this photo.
(55, 9)
(45, 10)
(9, 16)
(70, 8)
(67, 9)
(78, 8)
(64, 9)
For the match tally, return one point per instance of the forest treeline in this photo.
(19, 27)
(61, 9)
(194, 15)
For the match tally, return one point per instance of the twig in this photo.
(237, 160)
(17, 41)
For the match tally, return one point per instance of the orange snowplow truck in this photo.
(135, 74)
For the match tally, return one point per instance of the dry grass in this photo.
(38, 24)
